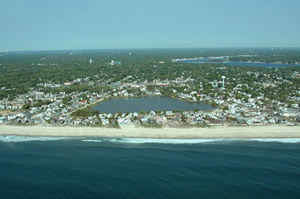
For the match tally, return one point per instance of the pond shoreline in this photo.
(161, 101)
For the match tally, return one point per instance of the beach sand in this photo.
(131, 131)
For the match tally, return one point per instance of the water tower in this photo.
(223, 78)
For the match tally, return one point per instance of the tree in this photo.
(26, 106)
(225, 108)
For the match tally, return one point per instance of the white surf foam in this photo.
(12, 138)
(91, 140)
(281, 140)
(190, 141)
(164, 141)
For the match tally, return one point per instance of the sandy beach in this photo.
(131, 131)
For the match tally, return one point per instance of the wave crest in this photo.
(12, 138)
(281, 140)
(190, 141)
(92, 140)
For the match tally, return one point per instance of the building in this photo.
(3, 120)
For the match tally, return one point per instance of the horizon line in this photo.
(145, 48)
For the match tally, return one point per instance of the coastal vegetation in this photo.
(84, 112)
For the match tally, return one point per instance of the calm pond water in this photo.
(239, 63)
(148, 104)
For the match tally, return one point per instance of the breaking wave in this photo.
(92, 140)
(164, 141)
(281, 140)
(190, 141)
(12, 138)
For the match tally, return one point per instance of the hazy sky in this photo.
(101, 24)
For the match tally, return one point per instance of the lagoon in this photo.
(238, 63)
(154, 103)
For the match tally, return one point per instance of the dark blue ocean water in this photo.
(139, 168)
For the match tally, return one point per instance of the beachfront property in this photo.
(3, 120)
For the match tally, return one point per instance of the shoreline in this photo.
(273, 131)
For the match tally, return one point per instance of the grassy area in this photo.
(186, 125)
(153, 125)
(84, 112)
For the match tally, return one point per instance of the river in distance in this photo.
(41, 167)
(147, 104)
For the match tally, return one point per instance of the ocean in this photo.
(45, 167)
